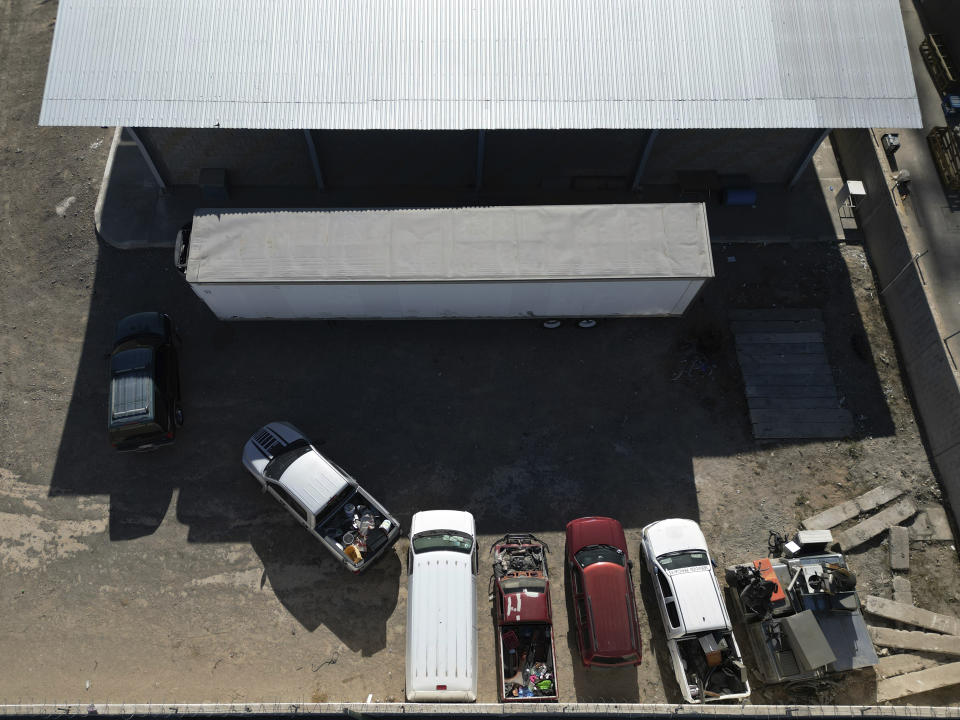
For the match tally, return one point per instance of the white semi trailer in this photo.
(484, 262)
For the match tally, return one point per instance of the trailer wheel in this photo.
(551, 324)
(587, 323)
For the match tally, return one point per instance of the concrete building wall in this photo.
(765, 156)
(934, 385)
(562, 159)
(357, 159)
(512, 159)
(250, 157)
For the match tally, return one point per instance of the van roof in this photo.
(131, 385)
(441, 622)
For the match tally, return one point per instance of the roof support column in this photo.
(644, 157)
(821, 135)
(481, 147)
(314, 159)
(145, 154)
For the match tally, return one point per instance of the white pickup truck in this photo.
(704, 653)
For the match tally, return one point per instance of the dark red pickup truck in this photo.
(525, 646)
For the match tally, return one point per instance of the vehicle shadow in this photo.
(657, 651)
(302, 573)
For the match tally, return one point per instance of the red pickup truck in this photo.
(525, 645)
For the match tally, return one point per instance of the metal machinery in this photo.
(801, 613)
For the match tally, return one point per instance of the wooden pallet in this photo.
(939, 64)
(789, 384)
(945, 146)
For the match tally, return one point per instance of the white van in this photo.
(442, 607)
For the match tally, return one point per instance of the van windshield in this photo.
(431, 540)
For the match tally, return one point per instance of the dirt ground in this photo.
(168, 577)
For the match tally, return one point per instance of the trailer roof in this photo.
(498, 64)
(451, 244)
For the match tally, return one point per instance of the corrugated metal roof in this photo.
(493, 64)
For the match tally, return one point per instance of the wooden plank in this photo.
(902, 592)
(745, 326)
(919, 682)
(790, 338)
(881, 607)
(794, 403)
(893, 665)
(898, 542)
(775, 314)
(780, 358)
(788, 391)
(758, 368)
(837, 415)
(873, 526)
(773, 431)
(932, 524)
(851, 508)
(791, 379)
(916, 640)
(804, 348)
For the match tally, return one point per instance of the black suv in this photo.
(144, 405)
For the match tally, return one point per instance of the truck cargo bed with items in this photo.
(524, 623)
(356, 528)
(801, 612)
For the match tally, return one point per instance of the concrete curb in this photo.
(105, 183)
(636, 710)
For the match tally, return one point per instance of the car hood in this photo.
(266, 442)
(698, 599)
(145, 323)
(674, 535)
(595, 531)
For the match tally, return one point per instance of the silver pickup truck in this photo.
(703, 650)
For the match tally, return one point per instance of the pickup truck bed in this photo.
(708, 667)
(525, 643)
(368, 543)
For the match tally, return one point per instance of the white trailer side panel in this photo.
(496, 262)
(543, 299)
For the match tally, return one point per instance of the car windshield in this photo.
(600, 553)
(276, 467)
(684, 559)
(431, 540)
(521, 584)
